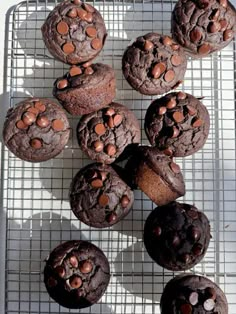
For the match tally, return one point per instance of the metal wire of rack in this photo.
(35, 196)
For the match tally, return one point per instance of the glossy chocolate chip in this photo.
(97, 183)
(40, 106)
(51, 283)
(87, 64)
(181, 96)
(223, 3)
(197, 123)
(175, 241)
(88, 7)
(167, 41)
(175, 132)
(223, 24)
(73, 261)
(77, 2)
(36, 143)
(175, 47)
(193, 298)
(112, 217)
(117, 119)
(21, 125)
(110, 122)
(162, 110)
(86, 267)
(110, 112)
(203, 4)
(215, 15)
(110, 149)
(62, 28)
(81, 13)
(75, 70)
(197, 249)
(176, 60)
(125, 201)
(169, 76)
(33, 110)
(191, 110)
(28, 118)
(88, 17)
(43, 122)
(60, 271)
(58, 125)
(209, 305)
(214, 27)
(228, 34)
(68, 47)
(91, 31)
(148, 45)
(171, 104)
(168, 152)
(89, 71)
(157, 231)
(204, 49)
(72, 13)
(186, 309)
(186, 258)
(103, 175)
(100, 129)
(192, 214)
(96, 44)
(210, 293)
(98, 146)
(178, 116)
(158, 69)
(62, 84)
(194, 233)
(75, 282)
(195, 35)
(103, 200)
(174, 167)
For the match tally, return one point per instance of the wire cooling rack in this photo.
(35, 196)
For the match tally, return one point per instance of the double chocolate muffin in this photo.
(76, 274)
(203, 26)
(86, 89)
(178, 124)
(99, 197)
(192, 294)
(156, 175)
(108, 133)
(36, 130)
(154, 64)
(177, 236)
(74, 32)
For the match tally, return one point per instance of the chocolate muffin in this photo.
(178, 124)
(36, 130)
(74, 32)
(84, 90)
(203, 26)
(99, 197)
(108, 133)
(177, 236)
(192, 294)
(154, 64)
(76, 274)
(156, 175)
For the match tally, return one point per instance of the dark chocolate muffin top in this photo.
(36, 130)
(177, 236)
(154, 64)
(192, 294)
(99, 197)
(76, 274)
(203, 26)
(107, 133)
(74, 32)
(178, 124)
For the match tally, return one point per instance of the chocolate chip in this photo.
(224, 3)
(181, 96)
(60, 271)
(211, 293)
(215, 15)
(175, 132)
(91, 31)
(36, 143)
(174, 167)
(21, 125)
(75, 282)
(58, 125)
(88, 7)
(103, 200)
(112, 217)
(90, 174)
(195, 35)
(88, 17)
(171, 103)
(191, 110)
(169, 76)
(162, 110)
(100, 129)
(117, 119)
(33, 110)
(110, 122)
(73, 261)
(62, 28)
(175, 47)
(193, 298)
(40, 106)
(43, 122)
(89, 71)
(209, 305)
(98, 146)
(110, 112)
(158, 69)
(176, 60)
(28, 118)
(157, 231)
(148, 45)
(103, 175)
(175, 241)
(97, 183)
(195, 233)
(192, 213)
(168, 152)
(110, 149)
(214, 27)
(167, 41)
(86, 267)
(228, 34)
(186, 309)
(77, 2)
(125, 201)
(62, 84)
(197, 249)
(203, 4)
(197, 123)
(87, 64)
(72, 13)
(51, 283)
(96, 44)
(178, 116)
(204, 49)
(68, 47)
(223, 25)
(186, 258)
(75, 70)
(81, 13)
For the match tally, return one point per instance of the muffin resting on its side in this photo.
(177, 236)
(156, 175)
(84, 90)
(99, 197)
(154, 64)
(178, 124)
(192, 294)
(76, 274)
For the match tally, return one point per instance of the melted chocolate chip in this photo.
(21, 125)
(60, 271)
(103, 200)
(97, 183)
(73, 261)
(98, 146)
(28, 118)
(91, 31)
(36, 143)
(75, 282)
(169, 76)
(125, 201)
(62, 28)
(86, 267)
(110, 149)
(112, 217)
(193, 298)
(157, 231)
(171, 103)
(100, 129)
(68, 47)
(43, 122)
(58, 125)
(148, 45)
